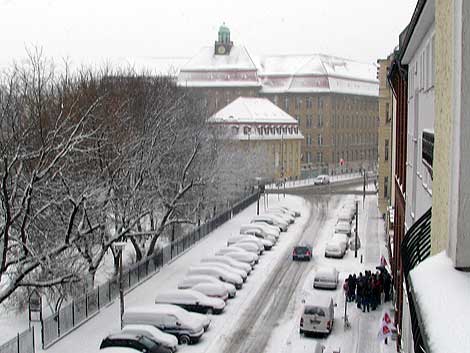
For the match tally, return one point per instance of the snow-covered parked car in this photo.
(191, 300)
(288, 218)
(266, 244)
(272, 220)
(219, 273)
(239, 255)
(343, 228)
(284, 210)
(295, 212)
(228, 261)
(326, 277)
(248, 246)
(154, 333)
(334, 249)
(192, 280)
(138, 343)
(341, 238)
(187, 327)
(321, 180)
(228, 268)
(262, 230)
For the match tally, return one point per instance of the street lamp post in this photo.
(119, 246)
(355, 240)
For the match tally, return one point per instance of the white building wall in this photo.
(420, 117)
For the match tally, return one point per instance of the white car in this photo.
(219, 273)
(321, 180)
(271, 220)
(326, 277)
(193, 280)
(227, 268)
(247, 246)
(284, 210)
(157, 335)
(334, 249)
(213, 290)
(239, 255)
(228, 261)
(343, 228)
(191, 300)
(295, 212)
(259, 230)
(288, 218)
(266, 244)
(341, 238)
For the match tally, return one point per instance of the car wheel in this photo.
(184, 339)
(209, 311)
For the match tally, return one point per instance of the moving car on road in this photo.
(321, 180)
(302, 252)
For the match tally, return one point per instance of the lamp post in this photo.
(119, 246)
(355, 240)
(257, 204)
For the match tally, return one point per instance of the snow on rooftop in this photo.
(206, 60)
(443, 293)
(252, 110)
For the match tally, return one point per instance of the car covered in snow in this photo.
(343, 227)
(138, 343)
(228, 261)
(186, 326)
(193, 280)
(216, 272)
(266, 244)
(295, 212)
(239, 255)
(242, 273)
(334, 249)
(191, 300)
(154, 333)
(260, 231)
(272, 220)
(326, 278)
(247, 246)
(278, 213)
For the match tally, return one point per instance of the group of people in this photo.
(368, 290)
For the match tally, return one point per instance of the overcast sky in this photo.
(92, 31)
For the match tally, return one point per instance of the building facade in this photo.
(384, 169)
(261, 130)
(334, 100)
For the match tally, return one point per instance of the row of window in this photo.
(298, 102)
(355, 139)
(309, 120)
(421, 72)
(348, 155)
(266, 130)
(351, 121)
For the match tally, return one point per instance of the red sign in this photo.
(341, 161)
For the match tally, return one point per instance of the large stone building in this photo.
(335, 100)
(258, 126)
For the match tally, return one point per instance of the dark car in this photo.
(302, 252)
(138, 342)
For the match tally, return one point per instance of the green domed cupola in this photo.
(223, 44)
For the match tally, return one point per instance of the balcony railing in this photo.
(415, 248)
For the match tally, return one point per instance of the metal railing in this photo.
(22, 343)
(85, 307)
(415, 248)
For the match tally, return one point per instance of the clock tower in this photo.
(223, 45)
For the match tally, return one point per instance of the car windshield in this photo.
(148, 342)
(301, 249)
(313, 310)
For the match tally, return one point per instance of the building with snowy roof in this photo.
(334, 100)
(256, 125)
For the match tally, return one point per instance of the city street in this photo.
(264, 316)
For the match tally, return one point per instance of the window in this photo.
(298, 103)
(309, 140)
(432, 64)
(320, 139)
(309, 121)
(275, 99)
(386, 150)
(286, 103)
(308, 102)
(320, 120)
(320, 103)
(309, 157)
(386, 187)
(247, 130)
(319, 157)
(387, 112)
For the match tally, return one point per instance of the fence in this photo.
(81, 309)
(22, 343)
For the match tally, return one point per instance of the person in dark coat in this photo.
(353, 284)
(359, 290)
(387, 283)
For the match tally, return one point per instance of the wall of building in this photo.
(385, 138)
(420, 117)
(443, 124)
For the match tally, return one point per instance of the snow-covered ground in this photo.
(89, 335)
(360, 338)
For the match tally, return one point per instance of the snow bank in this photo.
(442, 293)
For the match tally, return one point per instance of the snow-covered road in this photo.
(264, 315)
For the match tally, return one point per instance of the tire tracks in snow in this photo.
(262, 316)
